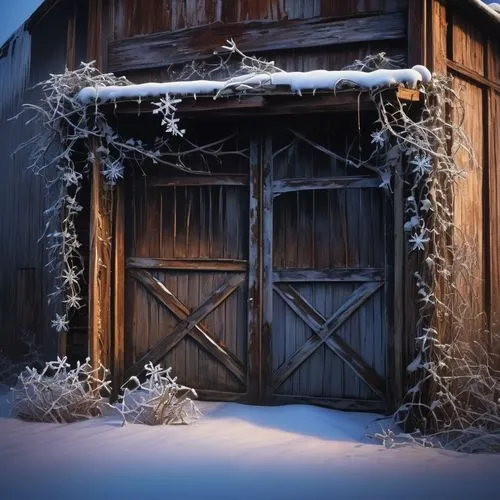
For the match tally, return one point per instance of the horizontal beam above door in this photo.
(223, 265)
(175, 47)
(272, 103)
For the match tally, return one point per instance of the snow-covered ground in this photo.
(233, 452)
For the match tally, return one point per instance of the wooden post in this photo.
(437, 38)
(100, 268)
(417, 27)
(254, 270)
(267, 268)
(493, 191)
(118, 290)
(398, 314)
(62, 338)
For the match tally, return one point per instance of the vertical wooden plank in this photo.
(492, 188)
(119, 290)
(99, 268)
(468, 203)
(254, 263)
(417, 25)
(62, 337)
(395, 293)
(28, 302)
(267, 267)
(94, 33)
(494, 210)
(71, 40)
(436, 36)
(468, 44)
(99, 255)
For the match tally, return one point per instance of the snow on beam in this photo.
(296, 81)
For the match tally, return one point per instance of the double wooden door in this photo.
(265, 279)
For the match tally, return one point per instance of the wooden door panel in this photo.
(324, 375)
(330, 230)
(187, 277)
(327, 241)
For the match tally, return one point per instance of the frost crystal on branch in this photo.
(419, 240)
(113, 171)
(61, 323)
(166, 107)
(378, 138)
(422, 165)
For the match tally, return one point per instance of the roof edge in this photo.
(481, 7)
(42, 10)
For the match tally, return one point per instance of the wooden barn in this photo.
(283, 275)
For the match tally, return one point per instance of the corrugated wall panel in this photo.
(24, 284)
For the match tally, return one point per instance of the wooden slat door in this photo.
(266, 280)
(324, 326)
(187, 277)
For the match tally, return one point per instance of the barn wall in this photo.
(464, 43)
(472, 58)
(139, 17)
(132, 18)
(24, 281)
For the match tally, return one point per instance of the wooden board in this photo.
(494, 211)
(468, 209)
(175, 47)
(326, 237)
(187, 274)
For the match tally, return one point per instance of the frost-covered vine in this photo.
(160, 400)
(453, 400)
(74, 136)
(59, 394)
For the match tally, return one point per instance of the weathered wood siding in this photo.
(140, 34)
(138, 17)
(463, 42)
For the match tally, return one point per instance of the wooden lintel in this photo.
(223, 265)
(272, 104)
(176, 47)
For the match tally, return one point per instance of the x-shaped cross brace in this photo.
(323, 334)
(189, 323)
